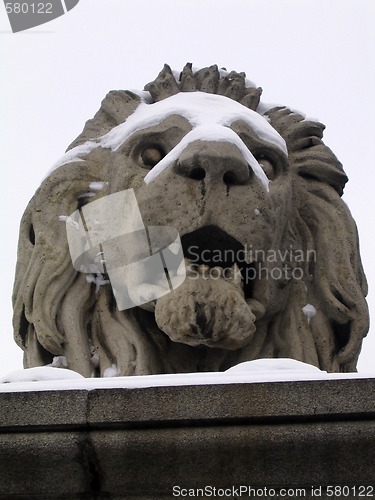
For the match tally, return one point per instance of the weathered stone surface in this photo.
(43, 465)
(299, 237)
(19, 410)
(140, 443)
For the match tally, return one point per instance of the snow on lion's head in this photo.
(271, 250)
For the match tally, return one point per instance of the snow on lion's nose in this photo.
(214, 161)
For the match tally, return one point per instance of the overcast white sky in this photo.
(314, 56)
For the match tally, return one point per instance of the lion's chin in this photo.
(205, 311)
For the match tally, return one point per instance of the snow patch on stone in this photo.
(258, 371)
(199, 108)
(271, 364)
(112, 371)
(209, 132)
(97, 185)
(309, 311)
(40, 374)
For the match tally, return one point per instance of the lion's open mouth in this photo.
(214, 304)
(223, 255)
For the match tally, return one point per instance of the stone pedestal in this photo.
(140, 443)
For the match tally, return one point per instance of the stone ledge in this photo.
(138, 443)
(188, 405)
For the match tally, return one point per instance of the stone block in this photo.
(140, 443)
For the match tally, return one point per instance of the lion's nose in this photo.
(213, 161)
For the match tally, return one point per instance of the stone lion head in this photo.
(271, 250)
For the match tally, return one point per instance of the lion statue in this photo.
(271, 251)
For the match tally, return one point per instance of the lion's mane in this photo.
(58, 313)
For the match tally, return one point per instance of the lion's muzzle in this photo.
(206, 309)
(210, 307)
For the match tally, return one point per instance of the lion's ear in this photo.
(115, 108)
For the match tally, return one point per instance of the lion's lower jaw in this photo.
(206, 312)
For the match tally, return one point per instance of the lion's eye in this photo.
(268, 167)
(151, 156)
